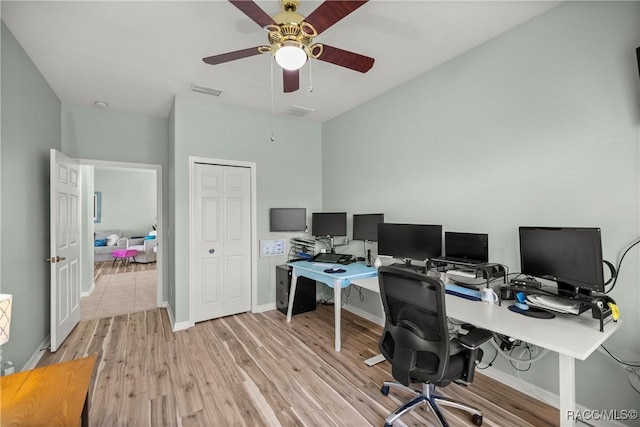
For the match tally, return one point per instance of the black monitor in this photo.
(288, 219)
(365, 226)
(571, 256)
(410, 241)
(329, 224)
(471, 246)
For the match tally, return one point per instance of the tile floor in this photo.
(120, 293)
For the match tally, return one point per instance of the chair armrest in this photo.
(475, 338)
(122, 242)
(135, 242)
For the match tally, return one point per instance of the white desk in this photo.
(572, 337)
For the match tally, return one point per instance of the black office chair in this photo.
(417, 343)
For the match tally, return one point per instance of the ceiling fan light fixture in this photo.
(291, 57)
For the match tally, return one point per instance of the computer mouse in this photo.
(334, 270)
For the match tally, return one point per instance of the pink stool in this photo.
(123, 255)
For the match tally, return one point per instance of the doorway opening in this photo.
(130, 206)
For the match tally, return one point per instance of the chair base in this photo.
(429, 396)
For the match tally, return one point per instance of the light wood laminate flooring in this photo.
(257, 370)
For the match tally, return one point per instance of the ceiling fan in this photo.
(291, 38)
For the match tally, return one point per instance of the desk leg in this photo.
(337, 294)
(84, 417)
(567, 376)
(292, 294)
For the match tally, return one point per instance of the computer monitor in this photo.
(471, 246)
(365, 226)
(410, 241)
(571, 256)
(329, 224)
(288, 219)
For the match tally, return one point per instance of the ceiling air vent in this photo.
(299, 110)
(205, 90)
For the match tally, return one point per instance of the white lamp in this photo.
(291, 57)
(5, 317)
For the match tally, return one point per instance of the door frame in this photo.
(254, 225)
(159, 225)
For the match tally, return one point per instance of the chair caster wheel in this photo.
(385, 390)
(388, 425)
(477, 419)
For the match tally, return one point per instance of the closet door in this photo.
(220, 241)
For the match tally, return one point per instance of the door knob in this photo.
(211, 251)
(56, 259)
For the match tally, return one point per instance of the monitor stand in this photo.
(409, 266)
(569, 291)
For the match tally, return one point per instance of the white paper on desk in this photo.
(538, 301)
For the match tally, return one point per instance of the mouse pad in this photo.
(533, 312)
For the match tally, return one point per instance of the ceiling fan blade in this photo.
(330, 12)
(231, 56)
(290, 80)
(346, 59)
(253, 11)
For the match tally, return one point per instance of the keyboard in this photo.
(461, 291)
(330, 257)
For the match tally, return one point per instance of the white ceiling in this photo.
(137, 55)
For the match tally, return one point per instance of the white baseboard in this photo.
(264, 307)
(175, 327)
(37, 355)
(364, 314)
(541, 394)
(89, 292)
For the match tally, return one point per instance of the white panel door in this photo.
(65, 246)
(221, 241)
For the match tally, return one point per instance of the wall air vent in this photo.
(206, 90)
(299, 110)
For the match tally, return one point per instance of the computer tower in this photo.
(305, 299)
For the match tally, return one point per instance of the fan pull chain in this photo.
(310, 79)
(273, 138)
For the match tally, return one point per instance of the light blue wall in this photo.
(288, 174)
(30, 127)
(86, 173)
(103, 134)
(539, 126)
(128, 200)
